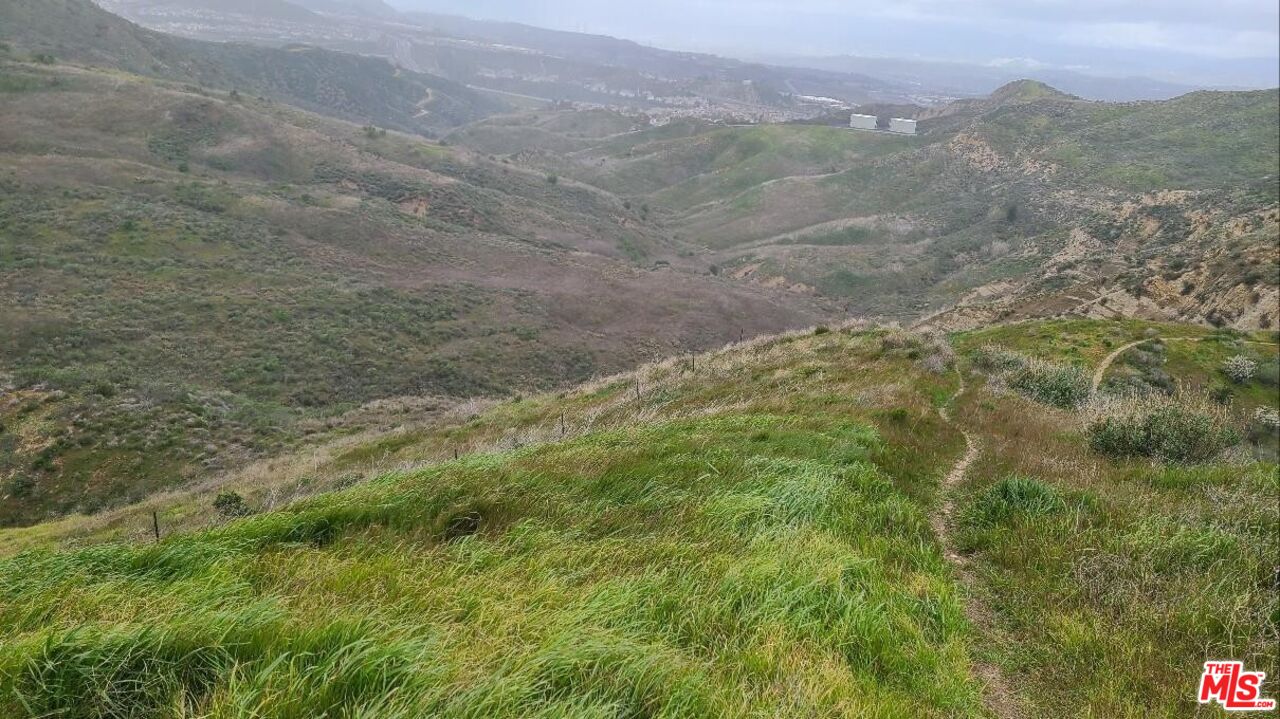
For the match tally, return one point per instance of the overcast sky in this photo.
(1206, 41)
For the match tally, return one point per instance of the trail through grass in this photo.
(763, 560)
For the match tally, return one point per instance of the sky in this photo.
(1215, 42)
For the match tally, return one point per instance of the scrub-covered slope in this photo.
(188, 277)
(1029, 203)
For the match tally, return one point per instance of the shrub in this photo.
(1269, 373)
(993, 358)
(1058, 385)
(231, 505)
(933, 351)
(1240, 369)
(897, 340)
(1170, 431)
(1222, 393)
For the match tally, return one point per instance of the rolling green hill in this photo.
(780, 528)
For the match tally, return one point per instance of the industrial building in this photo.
(863, 122)
(896, 125)
(902, 127)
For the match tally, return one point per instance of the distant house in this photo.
(902, 127)
(862, 122)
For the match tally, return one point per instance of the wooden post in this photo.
(455, 454)
(562, 430)
(155, 524)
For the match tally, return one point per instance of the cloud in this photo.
(1189, 39)
(1208, 41)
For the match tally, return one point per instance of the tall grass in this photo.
(721, 564)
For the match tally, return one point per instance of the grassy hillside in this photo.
(351, 87)
(1027, 203)
(747, 533)
(191, 279)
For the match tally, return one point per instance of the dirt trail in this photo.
(942, 519)
(1110, 359)
(998, 697)
(1106, 363)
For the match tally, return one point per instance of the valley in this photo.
(333, 266)
(357, 362)
(338, 264)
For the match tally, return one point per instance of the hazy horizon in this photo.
(1229, 43)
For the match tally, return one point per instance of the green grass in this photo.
(1110, 578)
(741, 563)
(747, 535)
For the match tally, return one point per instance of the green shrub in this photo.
(1058, 385)
(1172, 432)
(993, 358)
(1269, 373)
(231, 505)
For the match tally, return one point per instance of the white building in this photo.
(862, 122)
(902, 127)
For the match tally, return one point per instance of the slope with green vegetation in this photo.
(745, 533)
(193, 279)
(1025, 204)
(1110, 571)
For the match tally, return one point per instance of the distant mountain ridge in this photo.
(370, 8)
(362, 89)
(972, 80)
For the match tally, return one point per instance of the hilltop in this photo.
(781, 527)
